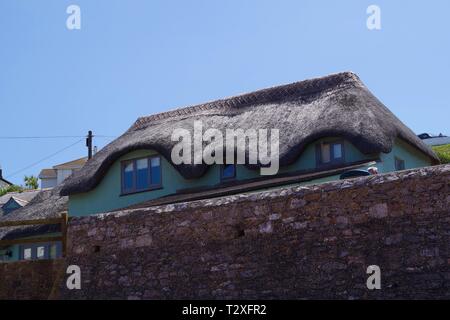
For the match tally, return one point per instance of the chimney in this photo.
(1, 173)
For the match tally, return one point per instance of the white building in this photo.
(52, 177)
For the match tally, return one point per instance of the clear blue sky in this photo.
(134, 58)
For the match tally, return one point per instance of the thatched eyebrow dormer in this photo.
(335, 105)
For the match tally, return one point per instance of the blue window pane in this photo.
(337, 151)
(142, 178)
(228, 171)
(155, 171)
(128, 176)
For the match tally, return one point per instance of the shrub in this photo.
(443, 152)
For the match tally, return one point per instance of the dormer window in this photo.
(328, 153)
(142, 174)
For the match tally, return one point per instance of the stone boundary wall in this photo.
(29, 279)
(289, 243)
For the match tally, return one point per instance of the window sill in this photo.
(159, 187)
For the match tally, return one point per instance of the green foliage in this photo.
(31, 182)
(443, 152)
(12, 188)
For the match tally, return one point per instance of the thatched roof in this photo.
(46, 204)
(335, 105)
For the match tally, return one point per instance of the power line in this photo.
(50, 137)
(39, 137)
(43, 159)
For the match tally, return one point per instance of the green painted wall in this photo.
(413, 157)
(15, 253)
(107, 195)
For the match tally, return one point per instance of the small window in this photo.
(27, 254)
(141, 174)
(399, 164)
(51, 250)
(228, 172)
(329, 153)
(40, 252)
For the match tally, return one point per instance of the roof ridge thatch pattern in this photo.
(300, 88)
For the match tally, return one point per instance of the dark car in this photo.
(354, 173)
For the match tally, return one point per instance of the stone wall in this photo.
(30, 279)
(289, 243)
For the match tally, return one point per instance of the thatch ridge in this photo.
(305, 88)
(335, 105)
